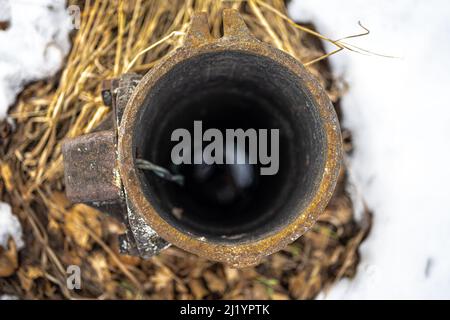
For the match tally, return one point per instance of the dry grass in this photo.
(118, 36)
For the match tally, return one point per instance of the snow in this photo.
(9, 227)
(8, 297)
(33, 47)
(399, 114)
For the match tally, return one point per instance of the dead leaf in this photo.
(8, 259)
(27, 276)
(260, 291)
(6, 173)
(197, 288)
(231, 274)
(78, 220)
(52, 225)
(214, 283)
(129, 260)
(279, 296)
(58, 205)
(162, 278)
(100, 265)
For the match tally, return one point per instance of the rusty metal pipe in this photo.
(232, 82)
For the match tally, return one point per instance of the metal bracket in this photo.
(91, 172)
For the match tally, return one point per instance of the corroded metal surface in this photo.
(90, 168)
(148, 231)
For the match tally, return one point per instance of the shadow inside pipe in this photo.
(230, 203)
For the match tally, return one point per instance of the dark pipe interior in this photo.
(230, 90)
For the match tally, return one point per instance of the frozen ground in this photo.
(399, 113)
(33, 46)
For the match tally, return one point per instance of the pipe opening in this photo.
(230, 203)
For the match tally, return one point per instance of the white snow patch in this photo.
(5, 12)
(8, 297)
(399, 113)
(9, 227)
(34, 45)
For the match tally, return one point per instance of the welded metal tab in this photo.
(234, 26)
(90, 168)
(198, 32)
(91, 174)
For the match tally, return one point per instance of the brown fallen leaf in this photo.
(279, 296)
(260, 291)
(27, 276)
(6, 174)
(231, 274)
(215, 283)
(8, 259)
(162, 278)
(101, 266)
(129, 260)
(57, 205)
(197, 288)
(78, 220)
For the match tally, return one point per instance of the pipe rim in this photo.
(245, 254)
